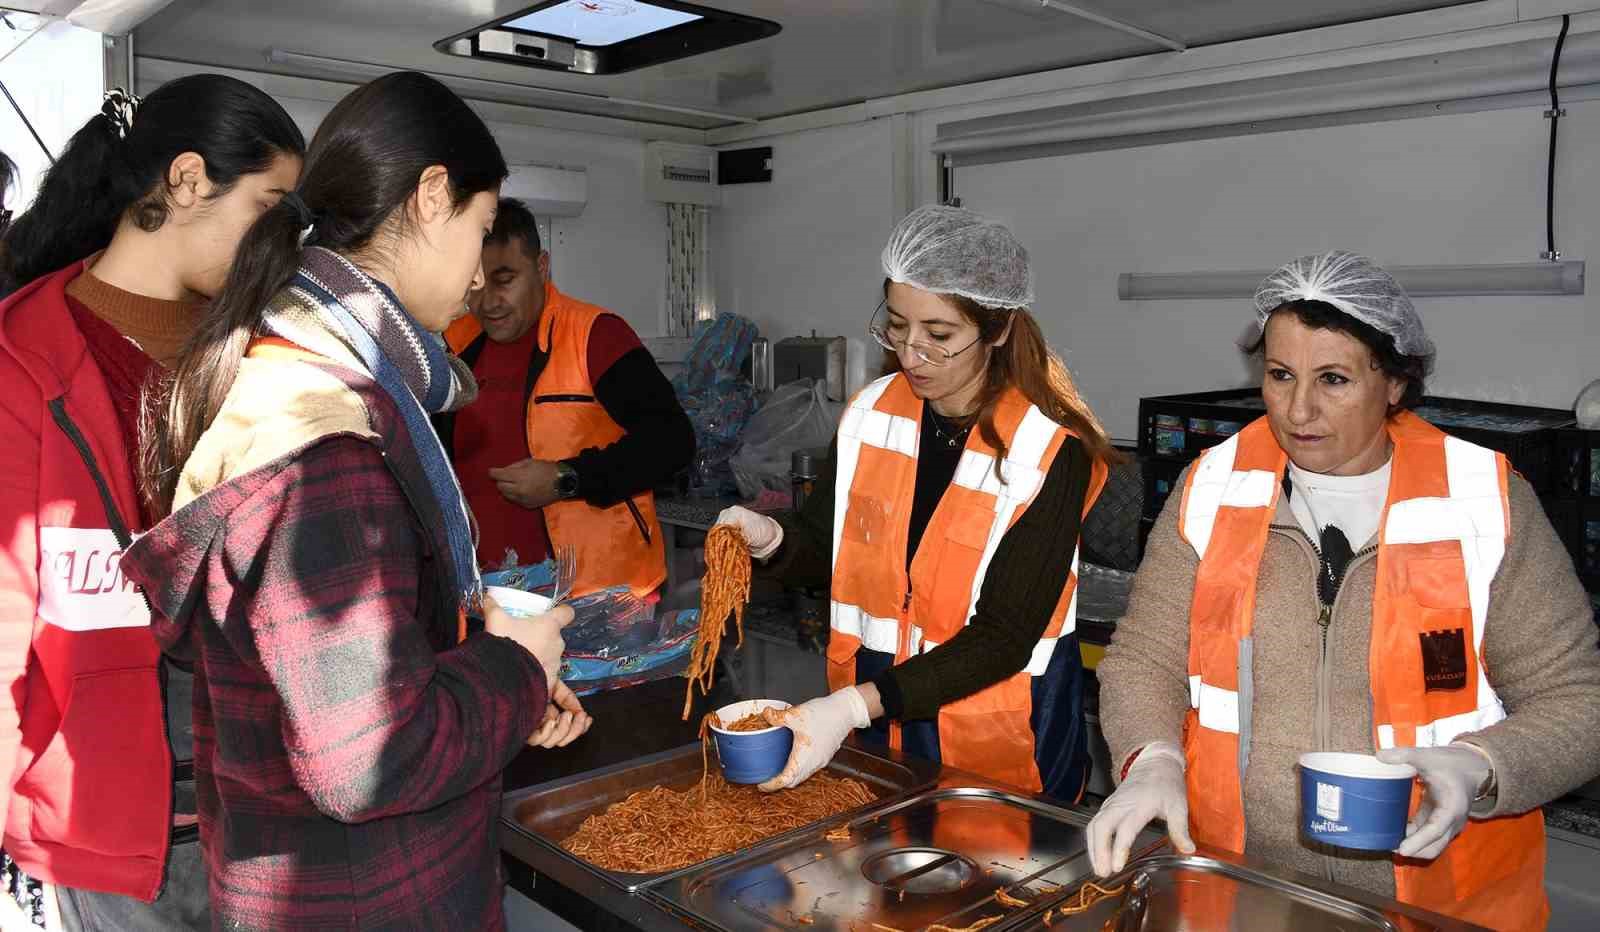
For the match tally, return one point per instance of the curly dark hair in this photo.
(1320, 315)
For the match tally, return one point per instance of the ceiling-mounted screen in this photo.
(601, 22)
(606, 36)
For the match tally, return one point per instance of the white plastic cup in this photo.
(517, 603)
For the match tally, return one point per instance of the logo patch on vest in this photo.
(1444, 660)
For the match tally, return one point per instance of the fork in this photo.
(566, 572)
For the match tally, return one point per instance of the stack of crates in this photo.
(1174, 429)
(1573, 501)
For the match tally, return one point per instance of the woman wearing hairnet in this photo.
(945, 524)
(1342, 576)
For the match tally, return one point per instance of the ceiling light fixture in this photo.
(464, 85)
(1419, 281)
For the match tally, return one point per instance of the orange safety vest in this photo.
(615, 546)
(1443, 533)
(876, 603)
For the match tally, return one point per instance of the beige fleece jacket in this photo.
(1539, 645)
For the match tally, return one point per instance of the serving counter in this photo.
(937, 848)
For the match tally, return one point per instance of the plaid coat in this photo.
(347, 751)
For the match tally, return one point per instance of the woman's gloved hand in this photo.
(1154, 788)
(762, 534)
(819, 727)
(1453, 776)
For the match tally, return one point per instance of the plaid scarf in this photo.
(334, 309)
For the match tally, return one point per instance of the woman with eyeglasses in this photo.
(945, 525)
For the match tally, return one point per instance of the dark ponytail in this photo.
(116, 165)
(364, 163)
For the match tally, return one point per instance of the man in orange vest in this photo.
(574, 425)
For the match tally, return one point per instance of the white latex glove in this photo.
(1452, 776)
(761, 533)
(1154, 788)
(819, 727)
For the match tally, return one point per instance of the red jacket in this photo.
(82, 725)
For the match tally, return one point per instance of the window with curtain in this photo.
(689, 294)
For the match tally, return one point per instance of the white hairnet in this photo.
(1353, 284)
(951, 250)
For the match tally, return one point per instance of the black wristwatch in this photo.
(566, 481)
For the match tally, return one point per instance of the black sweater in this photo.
(1031, 565)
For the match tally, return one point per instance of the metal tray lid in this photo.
(938, 857)
(1214, 891)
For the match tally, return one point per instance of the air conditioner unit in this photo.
(678, 174)
(549, 190)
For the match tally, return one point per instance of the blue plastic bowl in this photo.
(1354, 800)
(752, 756)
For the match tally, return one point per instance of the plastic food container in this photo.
(752, 756)
(1354, 800)
(518, 603)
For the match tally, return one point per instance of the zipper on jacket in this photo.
(562, 399)
(638, 520)
(119, 530)
(1324, 671)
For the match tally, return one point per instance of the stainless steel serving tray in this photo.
(1211, 891)
(537, 818)
(935, 858)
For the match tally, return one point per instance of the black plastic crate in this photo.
(1160, 481)
(1179, 427)
(1587, 557)
(1575, 466)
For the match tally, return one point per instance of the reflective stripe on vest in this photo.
(880, 603)
(862, 424)
(1020, 469)
(1443, 536)
(1473, 514)
(879, 634)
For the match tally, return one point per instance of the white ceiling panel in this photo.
(830, 53)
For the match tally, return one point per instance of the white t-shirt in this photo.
(1353, 504)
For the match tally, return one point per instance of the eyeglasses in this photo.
(929, 353)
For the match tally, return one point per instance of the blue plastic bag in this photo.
(615, 640)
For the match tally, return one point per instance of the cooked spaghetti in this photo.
(1087, 896)
(724, 591)
(663, 829)
(755, 721)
